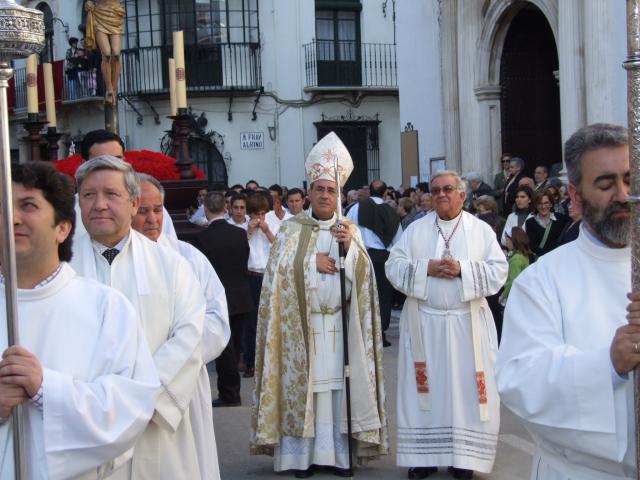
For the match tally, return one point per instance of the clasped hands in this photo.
(20, 378)
(443, 268)
(256, 223)
(326, 264)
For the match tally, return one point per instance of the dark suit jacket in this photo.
(510, 194)
(227, 248)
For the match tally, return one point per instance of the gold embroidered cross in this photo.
(335, 331)
(314, 333)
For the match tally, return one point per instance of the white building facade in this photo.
(277, 74)
(482, 77)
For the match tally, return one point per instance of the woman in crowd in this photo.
(556, 198)
(544, 228)
(522, 211)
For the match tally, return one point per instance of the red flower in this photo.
(156, 164)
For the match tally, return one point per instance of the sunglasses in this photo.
(447, 190)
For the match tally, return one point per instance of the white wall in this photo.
(419, 76)
(285, 25)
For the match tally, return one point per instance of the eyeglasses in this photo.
(447, 190)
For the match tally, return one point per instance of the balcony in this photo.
(87, 85)
(210, 68)
(350, 65)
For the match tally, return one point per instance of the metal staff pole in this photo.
(345, 322)
(8, 257)
(21, 34)
(632, 65)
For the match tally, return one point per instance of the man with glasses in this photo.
(500, 180)
(516, 167)
(446, 264)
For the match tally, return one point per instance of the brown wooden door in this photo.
(530, 96)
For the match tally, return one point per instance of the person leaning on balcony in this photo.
(105, 24)
(73, 58)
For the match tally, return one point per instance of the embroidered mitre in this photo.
(320, 163)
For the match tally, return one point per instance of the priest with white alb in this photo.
(446, 263)
(571, 336)
(299, 402)
(82, 370)
(168, 300)
(216, 331)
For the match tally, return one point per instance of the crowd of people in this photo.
(287, 286)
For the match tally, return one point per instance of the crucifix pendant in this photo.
(446, 254)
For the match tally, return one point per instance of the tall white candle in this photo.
(49, 94)
(32, 83)
(181, 78)
(172, 87)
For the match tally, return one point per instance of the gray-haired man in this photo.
(168, 300)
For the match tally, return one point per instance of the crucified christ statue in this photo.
(105, 24)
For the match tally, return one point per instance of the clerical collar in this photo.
(324, 223)
(50, 278)
(447, 222)
(591, 237)
(592, 245)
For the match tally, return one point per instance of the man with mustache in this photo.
(572, 331)
(169, 304)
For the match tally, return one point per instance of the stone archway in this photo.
(530, 94)
(497, 18)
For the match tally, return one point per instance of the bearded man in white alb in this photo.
(216, 331)
(170, 306)
(571, 337)
(446, 263)
(82, 372)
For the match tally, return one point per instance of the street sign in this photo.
(251, 140)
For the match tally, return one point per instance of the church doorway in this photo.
(529, 91)
(360, 136)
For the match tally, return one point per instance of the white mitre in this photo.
(320, 163)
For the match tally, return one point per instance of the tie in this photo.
(110, 254)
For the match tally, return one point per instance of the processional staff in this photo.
(343, 310)
(21, 34)
(632, 65)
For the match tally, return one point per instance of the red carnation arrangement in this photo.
(156, 164)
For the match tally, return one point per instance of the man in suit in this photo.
(500, 180)
(227, 248)
(516, 168)
(541, 175)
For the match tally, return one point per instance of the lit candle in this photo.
(172, 87)
(32, 83)
(49, 94)
(181, 79)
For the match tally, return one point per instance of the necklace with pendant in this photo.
(446, 254)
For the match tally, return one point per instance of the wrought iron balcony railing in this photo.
(216, 67)
(86, 83)
(220, 67)
(330, 63)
